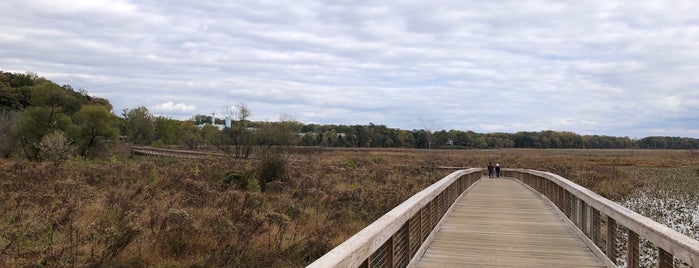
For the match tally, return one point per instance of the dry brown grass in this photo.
(144, 212)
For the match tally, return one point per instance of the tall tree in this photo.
(168, 131)
(33, 124)
(189, 134)
(139, 125)
(96, 129)
(50, 95)
(239, 136)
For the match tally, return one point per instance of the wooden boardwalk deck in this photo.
(500, 223)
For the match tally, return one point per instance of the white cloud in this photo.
(171, 107)
(597, 67)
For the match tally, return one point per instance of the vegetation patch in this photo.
(268, 204)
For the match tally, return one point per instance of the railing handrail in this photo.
(353, 251)
(674, 242)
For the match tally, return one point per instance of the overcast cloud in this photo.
(622, 68)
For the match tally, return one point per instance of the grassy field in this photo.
(166, 212)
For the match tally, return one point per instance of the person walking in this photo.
(490, 169)
(497, 170)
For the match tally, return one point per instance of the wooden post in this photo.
(392, 252)
(408, 246)
(632, 251)
(611, 240)
(365, 264)
(582, 217)
(595, 226)
(665, 259)
(570, 203)
(419, 229)
(562, 198)
(425, 223)
(587, 219)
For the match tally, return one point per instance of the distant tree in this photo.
(277, 135)
(8, 119)
(309, 139)
(168, 131)
(102, 102)
(50, 95)
(33, 124)
(362, 136)
(406, 138)
(189, 134)
(201, 119)
(21, 80)
(96, 129)
(211, 135)
(440, 138)
(656, 142)
(571, 140)
(8, 100)
(524, 139)
(239, 136)
(4, 80)
(139, 125)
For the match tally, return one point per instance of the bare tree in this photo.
(238, 136)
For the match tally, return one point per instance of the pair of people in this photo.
(492, 168)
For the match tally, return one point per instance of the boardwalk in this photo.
(500, 223)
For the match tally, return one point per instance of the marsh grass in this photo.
(669, 196)
(167, 212)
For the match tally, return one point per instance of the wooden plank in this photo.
(500, 223)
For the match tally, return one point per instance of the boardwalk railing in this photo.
(401, 236)
(172, 153)
(600, 219)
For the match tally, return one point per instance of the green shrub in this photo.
(237, 178)
(351, 164)
(253, 186)
(158, 144)
(271, 168)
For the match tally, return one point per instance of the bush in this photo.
(54, 147)
(158, 144)
(237, 178)
(271, 168)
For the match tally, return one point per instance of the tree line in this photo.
(381, 136)
(42, 120)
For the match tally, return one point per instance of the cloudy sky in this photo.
(621, 68)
